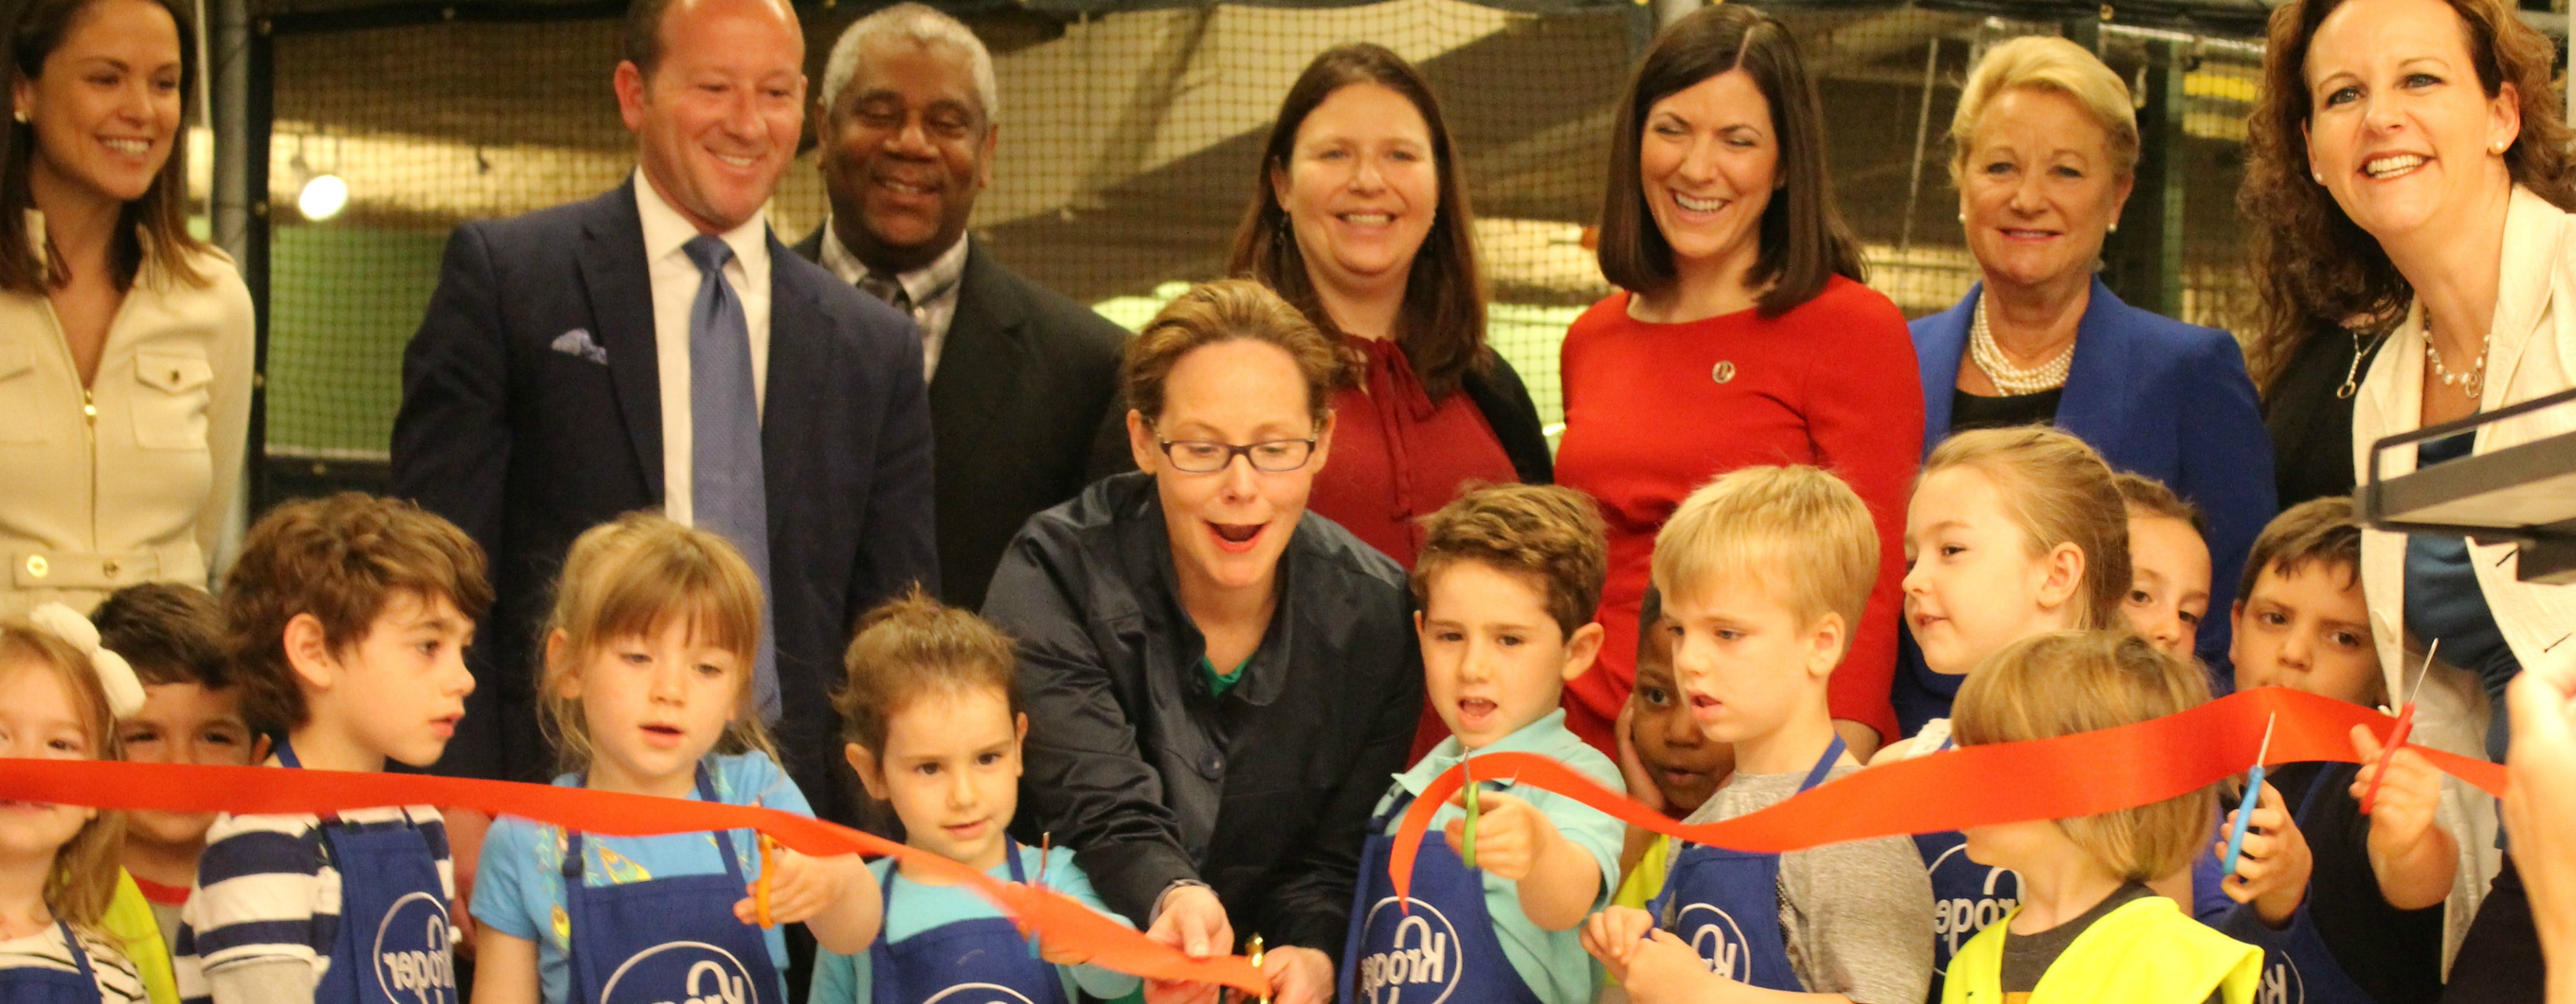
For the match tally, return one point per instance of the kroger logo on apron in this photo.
(2281, 981)
(978, 993)
(1717, 938)
(411, 952)
(1957, 919)
(681, 972)
(1422, 957)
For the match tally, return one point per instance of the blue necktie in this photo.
(729, 491)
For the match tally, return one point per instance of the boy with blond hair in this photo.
(1763, 573)
(1506, 586)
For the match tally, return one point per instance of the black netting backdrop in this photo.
(1127, 153)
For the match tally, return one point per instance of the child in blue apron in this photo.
(1508, 577)
(934, 726)
(53, 705)
(2347, 906)
(2014, 532)
(648, 680)
(348, 618)
(1762, 572)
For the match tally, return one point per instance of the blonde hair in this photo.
(2064, 682)
(630, 578)
(2060, 492)
(1213, 313)
(2046, 62)
(912, 645)
(85, 868)
(1798, 528)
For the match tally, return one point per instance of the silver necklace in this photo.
(2472, 383)
(2008, 378)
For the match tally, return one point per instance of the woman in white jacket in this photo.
(125, 343)
(2408, 160)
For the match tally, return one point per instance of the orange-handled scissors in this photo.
(760, 890)
(2397, 736)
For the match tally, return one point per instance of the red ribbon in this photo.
(2060, 778)
(1066, 925)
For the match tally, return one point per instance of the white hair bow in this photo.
(115, 675)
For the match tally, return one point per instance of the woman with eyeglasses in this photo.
(1218, 682)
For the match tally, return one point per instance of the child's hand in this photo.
(2272, 871)
(1510, 834)
(1632, 771)
(1613, 936)
(1298, 975)
(1664, 970)
(2413, 859)
(800, 888)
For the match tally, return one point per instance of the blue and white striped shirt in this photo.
(266, 892)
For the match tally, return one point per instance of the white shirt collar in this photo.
(666, 231)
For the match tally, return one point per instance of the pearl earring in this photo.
(2115, 226)
(2319, 175)
(20, 115)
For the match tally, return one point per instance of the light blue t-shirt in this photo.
(1552, 964)
(518, 882)
(848, 979)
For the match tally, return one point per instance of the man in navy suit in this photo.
(657, 347)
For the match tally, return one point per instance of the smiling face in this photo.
(1746, 663)
(1228, 528)
(184, 723)
(105, 107)
(717, 122)
(1709, 161)
(1360, 190)
(397, 692)
(1493, 658)
(2308, 630)
(2169, 590)
(952, 771)
(40, 718)
(905, 151)
(1971, 584)
(654, 704)
(2400, 129)
(1687, 765)
(2039, 189)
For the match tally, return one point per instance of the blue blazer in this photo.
(2156, 396)
(525, 435)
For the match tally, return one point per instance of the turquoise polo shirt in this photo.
(1552, 964)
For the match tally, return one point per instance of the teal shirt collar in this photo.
(1547, 737)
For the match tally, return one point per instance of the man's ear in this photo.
(308, 652)
(865, 764)
(629, 83)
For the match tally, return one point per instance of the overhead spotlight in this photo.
(323, 197)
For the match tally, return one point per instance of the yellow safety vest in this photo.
(129, 920)
(2145, 952)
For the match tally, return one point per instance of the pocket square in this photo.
(577, 342)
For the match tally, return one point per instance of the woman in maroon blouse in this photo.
(1358, 220)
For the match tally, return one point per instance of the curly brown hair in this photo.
(340, 559)
(1548, 533)
(2314, 268)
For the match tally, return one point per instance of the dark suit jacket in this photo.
(1021, 409)
(525, 446)
(2156, 396)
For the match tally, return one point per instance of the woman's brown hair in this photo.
(913, 645)
(2060, 492)
(1442, 325)
(1804, 240)
(2314, 268)
(2064, 682)
(1223, 311)
(85, 871)
(150, 230)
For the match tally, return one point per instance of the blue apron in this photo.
(2298, 968)
(980, 961)
(667, 939)
(29, 985)
(1443, 948)
(1727, 905)
(392, 946)
(1966, 896)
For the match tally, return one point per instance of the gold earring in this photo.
(2115, 226)
(20, 115)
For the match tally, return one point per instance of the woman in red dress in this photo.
(1741, 335)
(1358, 220)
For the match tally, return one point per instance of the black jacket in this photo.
(1263, 794)
(1025, 402)
(1505, 401)
(2311, 419)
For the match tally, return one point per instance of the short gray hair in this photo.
(922, 25)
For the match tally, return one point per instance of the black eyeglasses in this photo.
(1199, 456)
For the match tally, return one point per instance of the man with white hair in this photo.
(1021, 380)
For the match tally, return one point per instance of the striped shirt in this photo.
(266, 892)
(117, 983)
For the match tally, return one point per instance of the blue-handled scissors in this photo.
(2245, 808)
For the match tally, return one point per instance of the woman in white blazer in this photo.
(125, 343)
(2408, 159)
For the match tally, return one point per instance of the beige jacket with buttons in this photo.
(129, 480)
(2532, 354)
